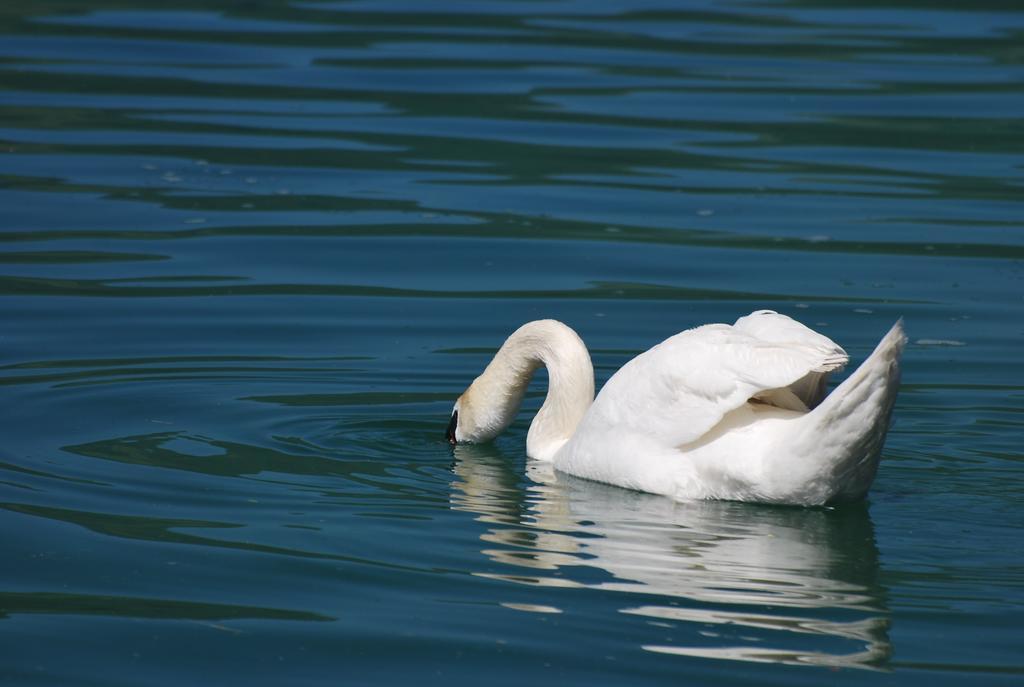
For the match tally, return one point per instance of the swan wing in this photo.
(808, 391)
(678, 390)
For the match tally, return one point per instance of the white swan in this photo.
(735, 412)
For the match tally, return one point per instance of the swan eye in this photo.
(450, 433)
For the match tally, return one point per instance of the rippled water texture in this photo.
(251, 253)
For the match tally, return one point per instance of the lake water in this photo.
(252, 252)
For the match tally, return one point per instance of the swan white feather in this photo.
(716, 412)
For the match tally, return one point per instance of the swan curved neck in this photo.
(495, 396)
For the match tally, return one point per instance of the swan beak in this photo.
(450, 432)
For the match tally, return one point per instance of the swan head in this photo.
(477, 417)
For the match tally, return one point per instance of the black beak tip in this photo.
(450, 432)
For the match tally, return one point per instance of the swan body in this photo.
(736, 412)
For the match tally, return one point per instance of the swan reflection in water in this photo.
(803, 579)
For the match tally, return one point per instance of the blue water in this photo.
(250, 253)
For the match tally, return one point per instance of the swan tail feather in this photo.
(844, 435)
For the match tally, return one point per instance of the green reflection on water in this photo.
(53, 603)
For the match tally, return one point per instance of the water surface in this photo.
(252, 253)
